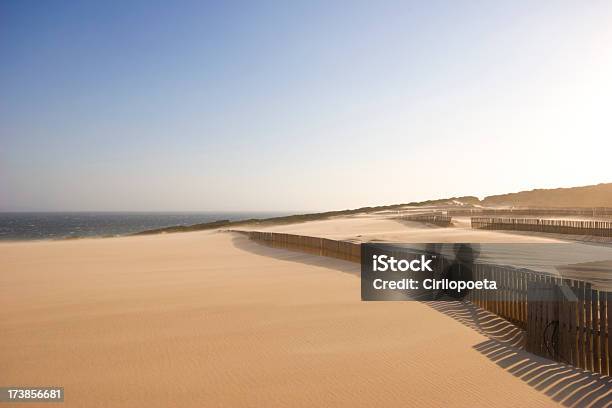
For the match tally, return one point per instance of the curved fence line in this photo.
(348, 251)
(594, 228)
(564, 319)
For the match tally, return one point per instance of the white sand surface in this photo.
(208, 319)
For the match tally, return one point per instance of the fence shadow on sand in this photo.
(565, 384)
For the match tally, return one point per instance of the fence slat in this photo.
(609, 332)
(602, 334)
(588, 309)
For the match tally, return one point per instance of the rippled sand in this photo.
(210, 319)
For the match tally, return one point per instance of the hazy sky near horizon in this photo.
(199, 105)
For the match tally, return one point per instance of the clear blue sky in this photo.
(180, 105)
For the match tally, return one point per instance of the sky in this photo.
(300, 105)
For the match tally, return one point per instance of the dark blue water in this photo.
(56, 225)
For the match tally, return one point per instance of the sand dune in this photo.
(556, 257)
(379, 227)
(198, 319)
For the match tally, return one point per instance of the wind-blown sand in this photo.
(208, 319)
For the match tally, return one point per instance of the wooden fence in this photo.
(569, 212)
(348, 251)
(439, 219)
(594, 228)
(563, 319)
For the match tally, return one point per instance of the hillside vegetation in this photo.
(599, 195)
(589, 196)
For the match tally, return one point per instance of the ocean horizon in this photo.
(26, 226)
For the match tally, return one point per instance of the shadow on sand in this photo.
(567, 385)
(484, 322)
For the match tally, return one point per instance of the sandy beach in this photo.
(212, 319)
(196, 196)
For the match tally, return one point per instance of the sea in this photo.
(20, 226)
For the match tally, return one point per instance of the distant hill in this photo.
(589, 196)
(599, 195)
